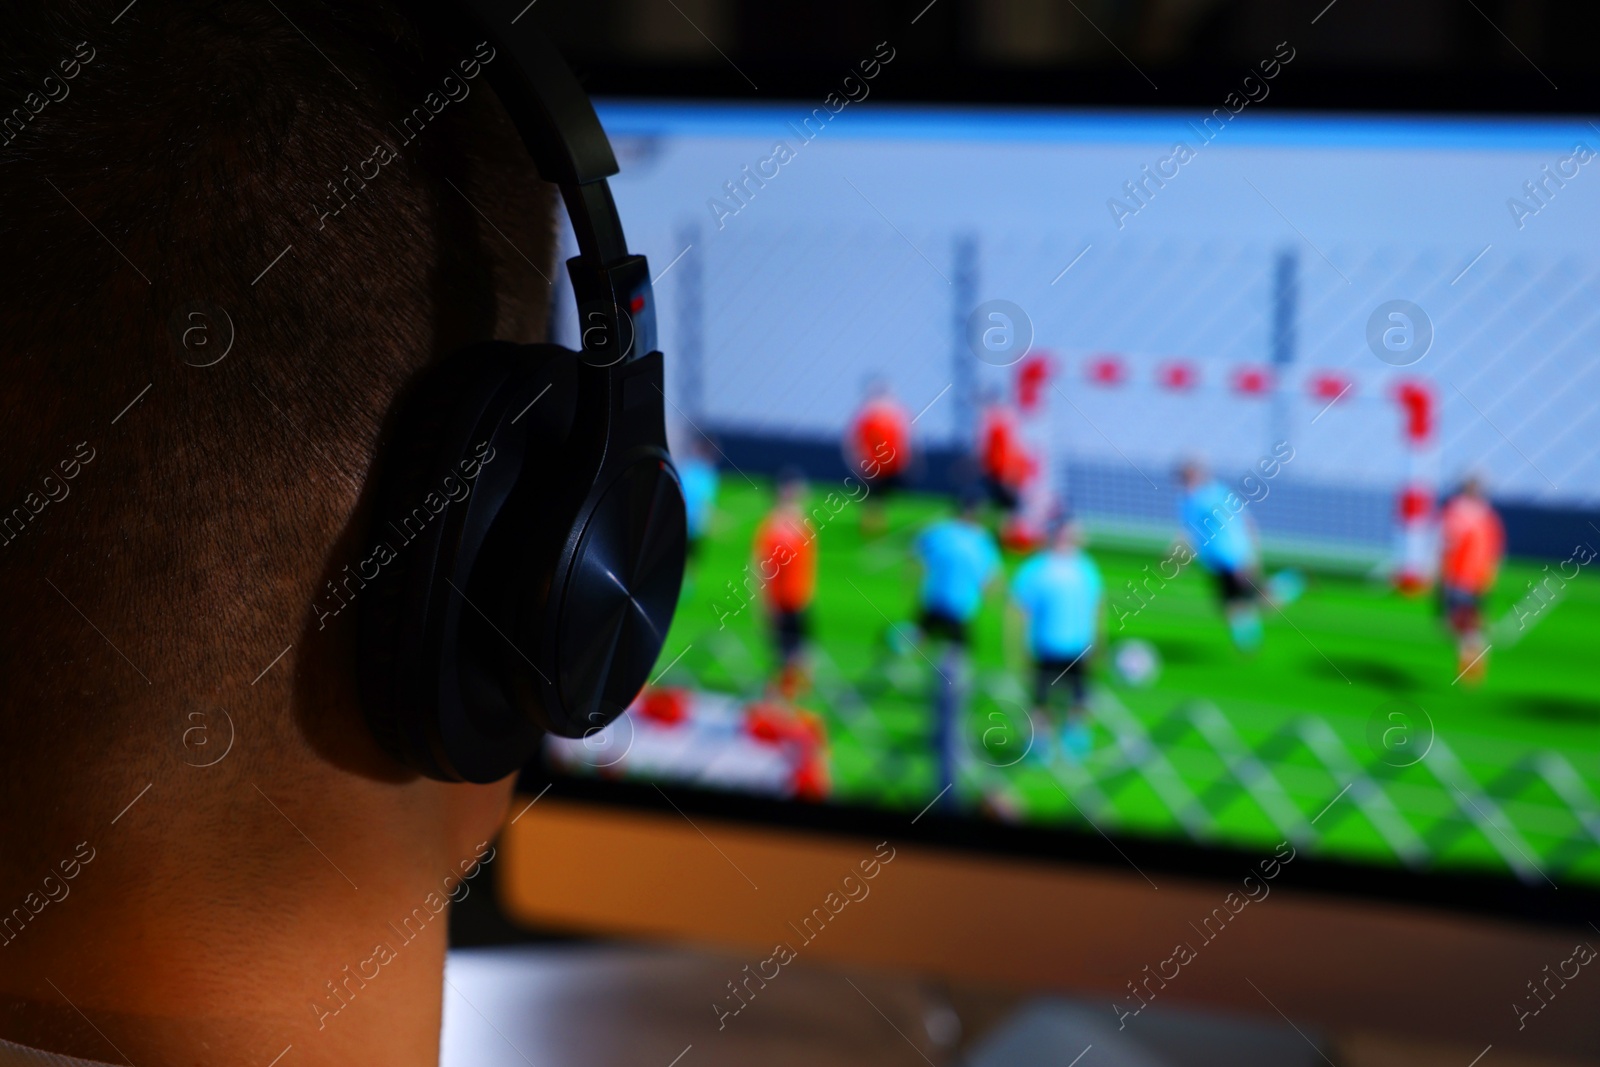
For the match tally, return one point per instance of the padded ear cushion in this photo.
(463, 438)
(620, 580)
(574, 586)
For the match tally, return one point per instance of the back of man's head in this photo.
(236, 229)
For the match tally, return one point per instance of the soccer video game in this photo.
(1221, 478)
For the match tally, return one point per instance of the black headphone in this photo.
(529, 537)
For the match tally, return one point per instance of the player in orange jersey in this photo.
(1472, 545)
(1002, 456)
(786, 565)
(878, 446)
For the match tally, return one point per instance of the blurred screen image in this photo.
(1168, 476)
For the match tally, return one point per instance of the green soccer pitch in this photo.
(1345, 734)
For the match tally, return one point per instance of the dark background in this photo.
(1476, 54)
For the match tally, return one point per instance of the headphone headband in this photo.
(552, 113)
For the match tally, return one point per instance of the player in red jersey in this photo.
(786, 565)
(1472, 546)
(1002, 456)
(878, 447)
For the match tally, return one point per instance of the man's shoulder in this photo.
(1028, 571)
(774, 529)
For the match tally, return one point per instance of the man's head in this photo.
(1191, 473)
(700, 447)
(791, 487)
(241, 227)
(1068, 536)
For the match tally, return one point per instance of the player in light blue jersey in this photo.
(1061, 597)
(1224, 540)
(959, 559)
(697, 473)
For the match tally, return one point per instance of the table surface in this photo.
(596, 1005)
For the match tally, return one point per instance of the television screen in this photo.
(1226, 479)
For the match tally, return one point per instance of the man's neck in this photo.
(183, 968)
(159, 996)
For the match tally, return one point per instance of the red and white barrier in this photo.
(1415, 557)
(708, 739)
(1040, 491)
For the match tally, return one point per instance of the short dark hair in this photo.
(791, 476)
(318, 185)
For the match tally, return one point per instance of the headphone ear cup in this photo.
(575, 586)
(526, 556)
(460, 437)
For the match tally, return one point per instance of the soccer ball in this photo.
(1136, 663)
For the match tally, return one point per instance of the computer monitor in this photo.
(1203, 497)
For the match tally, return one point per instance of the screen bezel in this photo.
(1313, 90)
